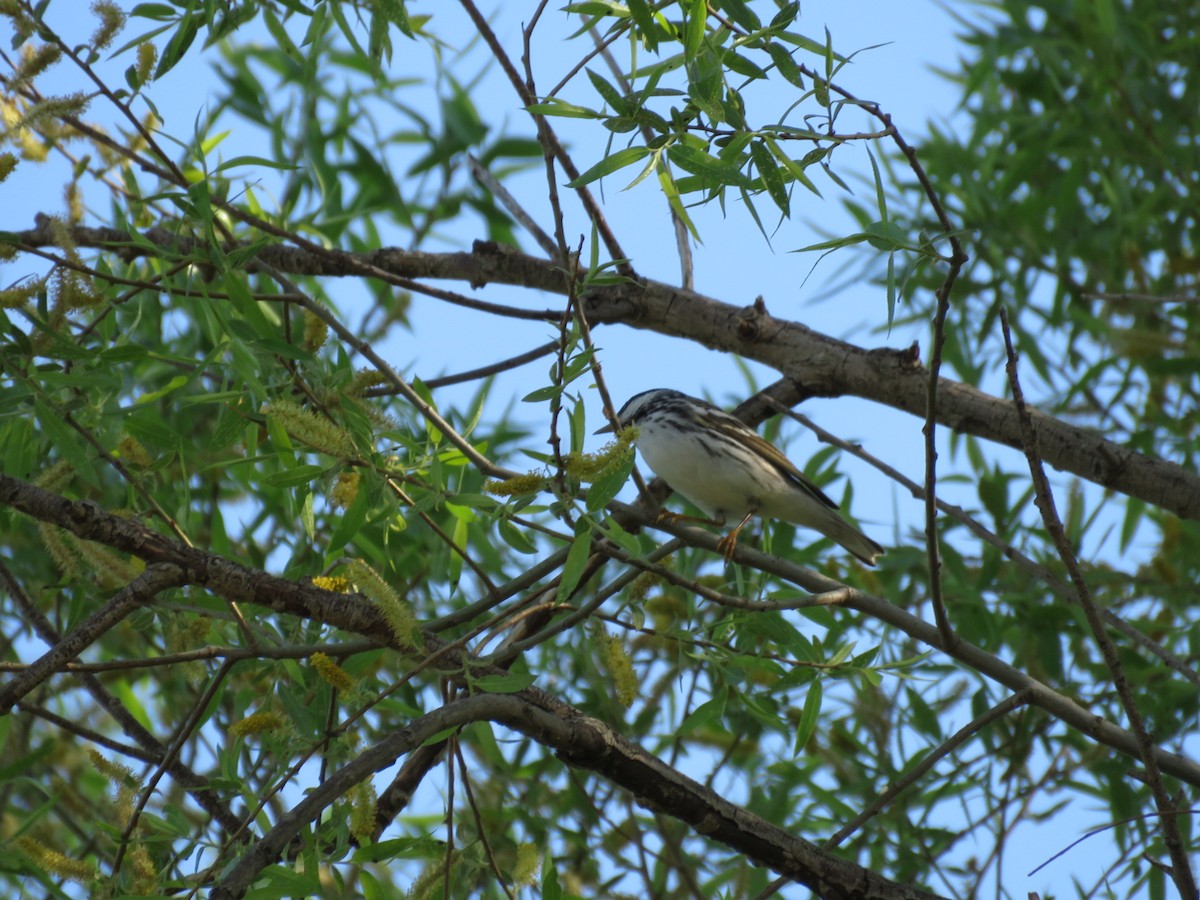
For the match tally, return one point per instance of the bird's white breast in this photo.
(705, 472)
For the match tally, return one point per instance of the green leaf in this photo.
(809, 716)
(302, 474)
(459, 538)
(735, 62)
(888, 236)
(351, 521)
(515, 537)
(254, 161)
(772, 180)
(785, 64)
(712, 169)
(1135, 510)
(697, 19)
(543, 394)
(508, 683)
(705, 715)
(65, 443)
(598, 8)
(610, 94)
(179, 43)
(160, 12)
(785, 17)
(611, 163)
(173, 385)
(576, 561)
(794, 169)
(552, 106)
(922, 716)
(644, 19)
(609, 484)
(551, 888)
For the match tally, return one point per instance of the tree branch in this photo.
(822, 365)
(587, 743)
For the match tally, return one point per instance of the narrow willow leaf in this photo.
(610, 164)
(576, 561)
(809, 716)
(772, 180)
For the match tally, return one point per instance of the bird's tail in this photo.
(853, 539)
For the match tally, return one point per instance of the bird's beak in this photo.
(607, 429)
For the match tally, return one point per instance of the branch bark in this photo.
(587, 743)
(237, 582)
(822, 365)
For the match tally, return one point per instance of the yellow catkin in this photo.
(57, 863)
(8, 162)
(518, 485)
(335, 583)
(123, 812)
(362, 811)
(61, 547)
(13, 116)
(145, 875)
(331, 672)
(115, 772)
(184, 633)
(112, 20)
(34, 61)
(615, 660)
(363, 379)
(112, 570)
(584, 466)
(528, 864)
(48, 111)
(398, 614)
(150, 124)
(74, 198)
(147, 56)
(314, 430)
(12, 9)
(428, 885)
(17, 298)
(316, 331)
(56, 477)
(133, 452)
(258, 723)
(345, 490)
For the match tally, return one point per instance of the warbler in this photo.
(729, 471)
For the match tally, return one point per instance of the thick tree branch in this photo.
(1060, 706)
(1181, 868)
(237, 582)
(822, 365)
(586, 743)
(142, 590)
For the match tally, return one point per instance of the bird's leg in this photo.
(728, 543)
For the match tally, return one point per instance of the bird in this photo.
(727, 470)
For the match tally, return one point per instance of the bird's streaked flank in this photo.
(729, 471)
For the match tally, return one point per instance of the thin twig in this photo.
(682, 245)
(1042, 573)
(515, 209)
(958, 259)
(1181, 870)
(141, 590)
(960, 737)
(594, 212)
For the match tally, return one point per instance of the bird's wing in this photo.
(736, 428)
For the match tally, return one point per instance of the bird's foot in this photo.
(728, 544)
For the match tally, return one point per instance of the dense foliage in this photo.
(282, 617)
